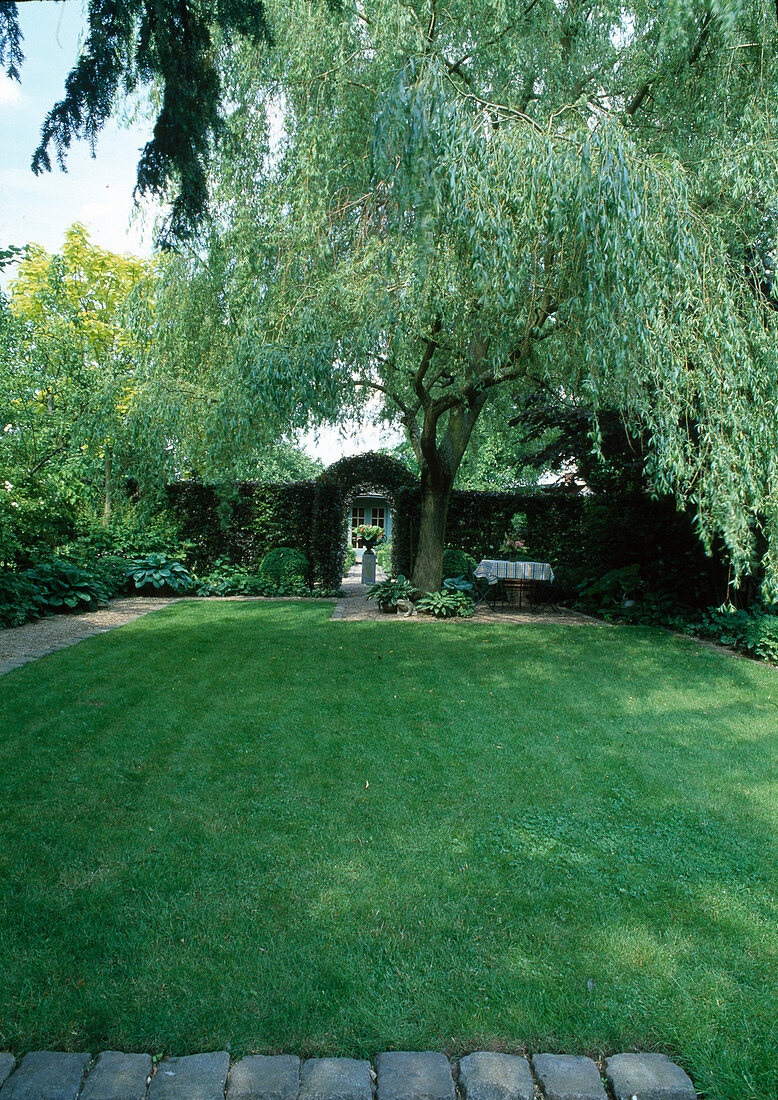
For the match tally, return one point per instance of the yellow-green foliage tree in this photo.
(71, 372)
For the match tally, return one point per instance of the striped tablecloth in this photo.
(515, 570)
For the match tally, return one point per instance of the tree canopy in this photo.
(169, 45)
(88, 421)
(69, 363)
(431, 202)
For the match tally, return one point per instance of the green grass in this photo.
(242, 824)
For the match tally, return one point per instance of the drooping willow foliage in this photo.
(424, 202)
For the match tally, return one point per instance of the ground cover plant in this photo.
(241, 823)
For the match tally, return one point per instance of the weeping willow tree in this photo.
(428, 203)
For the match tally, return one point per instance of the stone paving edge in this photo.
(398, 1075)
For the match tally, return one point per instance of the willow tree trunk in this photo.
(428, 566)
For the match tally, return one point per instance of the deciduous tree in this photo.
(69, 371)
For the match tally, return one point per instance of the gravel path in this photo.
(354, 606)
(20, 644)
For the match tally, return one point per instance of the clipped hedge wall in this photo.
(243, 521)
(478, 521)
(582, 537)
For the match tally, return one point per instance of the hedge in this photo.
(582, 537)
(243, 521)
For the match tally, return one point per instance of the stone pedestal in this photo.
(368, 567)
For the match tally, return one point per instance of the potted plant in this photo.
(370, 534)
(513, 548)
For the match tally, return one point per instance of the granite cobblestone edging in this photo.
(398, 1075)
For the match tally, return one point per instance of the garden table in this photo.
(519, 575)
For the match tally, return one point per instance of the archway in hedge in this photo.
(372, 475)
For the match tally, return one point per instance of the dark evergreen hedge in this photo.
(582, 537)
(243, 521)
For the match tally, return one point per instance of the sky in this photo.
(94, 191)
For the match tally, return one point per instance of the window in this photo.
(357, 519)
(379, 517)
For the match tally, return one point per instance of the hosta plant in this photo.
(21, 599)
(65, 586)
(159, 571)
(458, 584)
(445, 605)
(387, 593)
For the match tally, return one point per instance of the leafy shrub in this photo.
(226, 580)
(234, 580)
(157, 535)
(754, 632)
(351, 559)
(383, 556)
(159, 571)
(111, 572)
(446, 605)
(387, 593)
(92, 543)
(456, 563)
(21, 599)
(35, 518)
(612, 588)
(65, 586)
(285, 567)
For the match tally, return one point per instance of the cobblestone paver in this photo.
(398, 1075)
(487, 1076)
(46, 1075)
(649, 1077)
(404, 1075)
(568, 1077)
(193, 1077)
(117, 1076)
(264, 1077)
(7, 1063)
(336, 1079)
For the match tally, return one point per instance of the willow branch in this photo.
(691, 59)
(404, 409)
(418, 382)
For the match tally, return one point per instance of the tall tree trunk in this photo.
(108, 487)
(439, 448)
(428, 567)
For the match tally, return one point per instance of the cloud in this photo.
(10, 92)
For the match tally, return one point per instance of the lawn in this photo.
(239, 824)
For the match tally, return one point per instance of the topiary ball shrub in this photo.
(284, 566)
